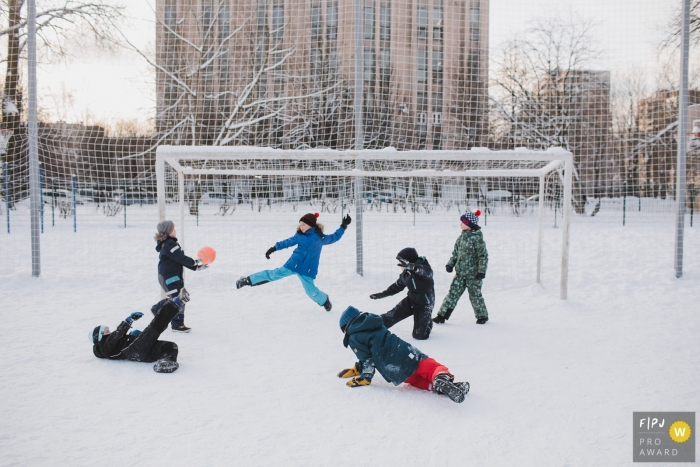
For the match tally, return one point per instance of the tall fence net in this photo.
(598, 79)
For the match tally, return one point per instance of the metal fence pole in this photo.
(624, 202)
(41, 194)
(359, 136)
(32, 127)
(75, 204)
(7, 194)
(682, 141)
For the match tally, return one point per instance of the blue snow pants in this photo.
(271, 275)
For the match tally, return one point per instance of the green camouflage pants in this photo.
(459, 283)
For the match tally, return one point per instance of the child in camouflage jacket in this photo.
(470, 259)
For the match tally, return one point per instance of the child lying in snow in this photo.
(142, 346)
(397, 360)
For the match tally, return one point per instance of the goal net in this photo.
(242, 200)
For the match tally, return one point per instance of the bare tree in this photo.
(628, 91)
(544, 94)
(221, 83)
(673, 30)
(59, 24)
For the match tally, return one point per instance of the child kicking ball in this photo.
(395, 359)
(309, 240)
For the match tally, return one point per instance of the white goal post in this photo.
(246, 161)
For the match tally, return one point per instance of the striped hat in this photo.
(471, 219)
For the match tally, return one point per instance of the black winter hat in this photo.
(407, 255)
(309, 219)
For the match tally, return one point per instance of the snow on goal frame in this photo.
(358, 166)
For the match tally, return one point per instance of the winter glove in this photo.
(410, 266)
(184, 295)
(135, 332)
(350, 372)
(133, 317)
(199, 266)
(269, 252)
(358, 381)
(449, 268)
(346, 221)
(480, 275)
(182, 298)
(376, 296)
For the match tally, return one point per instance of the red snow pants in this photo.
(427, 370)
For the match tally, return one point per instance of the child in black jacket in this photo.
(170, 266)
(141, 346)
(417, 276)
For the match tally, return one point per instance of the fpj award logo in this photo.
(664, 436)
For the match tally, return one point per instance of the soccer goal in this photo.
(241, 200)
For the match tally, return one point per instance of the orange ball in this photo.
(206, 254)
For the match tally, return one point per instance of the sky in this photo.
(101, 86)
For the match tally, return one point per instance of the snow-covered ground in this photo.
(554, 382)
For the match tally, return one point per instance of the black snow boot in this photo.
(442, 384)
(242, 282)
(464, 387)
(439, 319)
(165, 366)
(448, 313)
(481, 320)
(328, 305)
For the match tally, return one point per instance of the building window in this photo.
(224, 31)
(278, 21)
(315, 56)
(316, 26)
(369, 65)
(422, 118)
(170, 14)
(474, 24)
(437, 101)
(385, 23)
(474, 63)
(369, 22)
(385, 64)
(437, 118)
(422, 65)
(332, 21)
(437, 24)
(208, 25)
(422, 101)
(437, 65)
(422, 23)
(333, 59)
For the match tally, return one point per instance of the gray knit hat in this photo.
(165, 227)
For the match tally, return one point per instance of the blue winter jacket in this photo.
(376, 347)
(307, 254)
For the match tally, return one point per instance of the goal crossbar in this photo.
(549, 160)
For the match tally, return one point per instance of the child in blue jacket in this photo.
(303, 263)
(171, 261)
(397, 360)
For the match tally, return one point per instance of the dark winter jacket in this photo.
(171, 260)
(307, 254)
(421, 288)
(469, 256)
(376, 347)
(111, 347)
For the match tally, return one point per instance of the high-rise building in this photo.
(281, 72)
